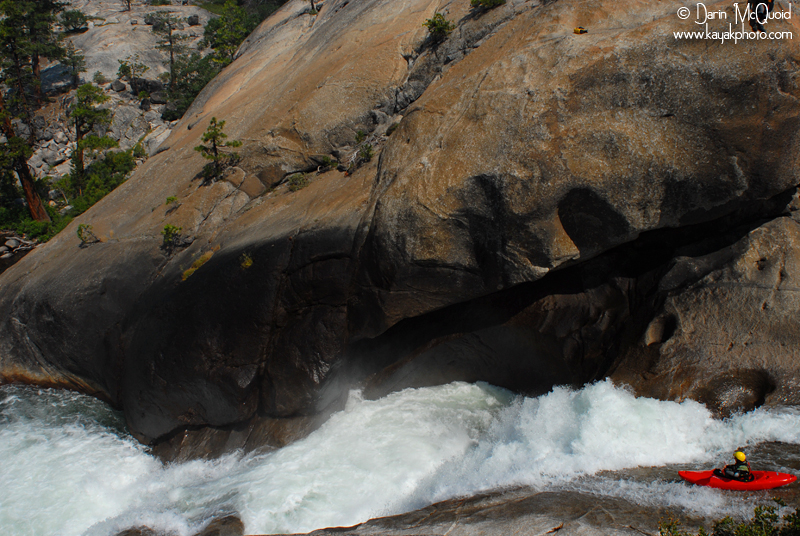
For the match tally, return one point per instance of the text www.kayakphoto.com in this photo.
(757, 16)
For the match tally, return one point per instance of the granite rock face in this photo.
(552, 208)
(116, 34)
(518, 511)
(724, 331)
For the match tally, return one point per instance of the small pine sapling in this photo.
(487, 4)
(297, 181)
(86, 235)
(366, 152)
(131, 67)
(75, 62)
(438, 26)
(215, 138)
(172, 236)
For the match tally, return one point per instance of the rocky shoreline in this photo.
(511, 511)
(518, 511)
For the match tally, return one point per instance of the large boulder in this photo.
(153, 140)
(516, 227)
(159, 97)
(21, 128)
(128, 125)
(52, 157)
(143, 84)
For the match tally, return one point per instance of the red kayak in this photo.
(762, 480)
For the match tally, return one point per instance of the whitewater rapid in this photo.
(69, 467)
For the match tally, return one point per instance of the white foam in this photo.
(69, 469)
(60, 475)
(550, 441)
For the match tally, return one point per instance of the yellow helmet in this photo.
(739, 455)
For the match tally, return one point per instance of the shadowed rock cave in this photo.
(570, 327)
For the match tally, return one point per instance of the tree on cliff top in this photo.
(219, 159)
(223, 34)
(261, 9)
(192, 73)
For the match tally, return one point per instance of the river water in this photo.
(68, 467)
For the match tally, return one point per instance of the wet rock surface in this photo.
(552, 208)
(222, 526)
(225, 526)
(519, 511)
(258, 434)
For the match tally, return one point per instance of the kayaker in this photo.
(739, 469)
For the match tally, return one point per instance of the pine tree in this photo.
(16, 52)
(192, 73)
(219, 159)
(14, 156)
(73, 20)
(131, 67)
(75, 62)
(225, 33)
(170, 41)
(86, 117)
(16, 64)
(41, 19)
